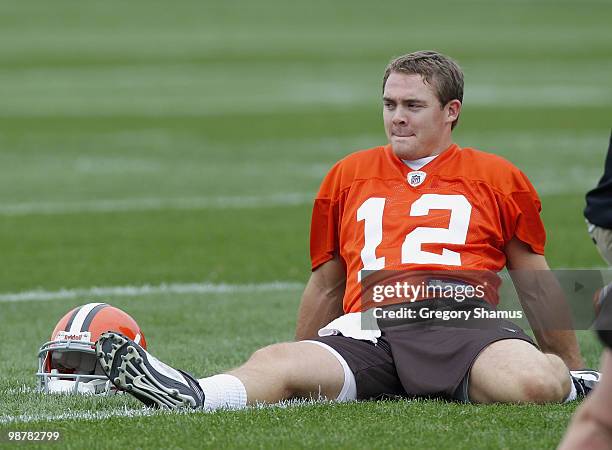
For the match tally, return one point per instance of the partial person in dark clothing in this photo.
(598, 211)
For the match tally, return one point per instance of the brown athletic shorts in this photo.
(421, 359)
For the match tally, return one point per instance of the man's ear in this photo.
(453, 109)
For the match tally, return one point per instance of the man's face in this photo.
(416, 124)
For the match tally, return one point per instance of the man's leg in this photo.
(513, 370)
(296, 369)
(274, 373)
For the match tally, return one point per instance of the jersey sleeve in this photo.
(521, 209)
(326, 217)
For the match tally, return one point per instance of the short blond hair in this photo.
(438, 70)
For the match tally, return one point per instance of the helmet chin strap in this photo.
(91, 387)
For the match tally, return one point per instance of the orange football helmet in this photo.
(68, 362)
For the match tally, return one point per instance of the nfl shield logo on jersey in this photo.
(416, 178)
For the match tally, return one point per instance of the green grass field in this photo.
(178, 146)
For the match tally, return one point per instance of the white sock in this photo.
(223, 391)
(573, 394)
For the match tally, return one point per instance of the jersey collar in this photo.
(429, 167)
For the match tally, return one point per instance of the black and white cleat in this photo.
(132, 369)
(585, 381)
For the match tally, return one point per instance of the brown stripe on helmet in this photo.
(91, 315)
(74, 313)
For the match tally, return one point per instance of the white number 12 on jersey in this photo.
(371, 211)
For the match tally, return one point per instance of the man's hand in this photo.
(544, 303)
(322, 299)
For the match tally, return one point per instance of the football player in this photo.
(419, 205)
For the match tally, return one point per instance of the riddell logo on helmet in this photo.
(72, 337)
(84, 336)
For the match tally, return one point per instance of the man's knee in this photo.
(515, 371)
(546, 382)
(272, 354)
(272, 363)
(299, 369)
(540, 387)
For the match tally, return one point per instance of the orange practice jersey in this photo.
(455, 213)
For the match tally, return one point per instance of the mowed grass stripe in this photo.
(153, 204)
(137, 291)
(235, 246)
(158, 102)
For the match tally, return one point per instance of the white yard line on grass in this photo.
(23, 389)
(154, 204)
(135, 291)
(144, 412)
(86, 415)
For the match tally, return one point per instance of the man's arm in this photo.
(322, 299)
(544, 303)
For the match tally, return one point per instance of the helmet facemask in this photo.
(71, 367)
